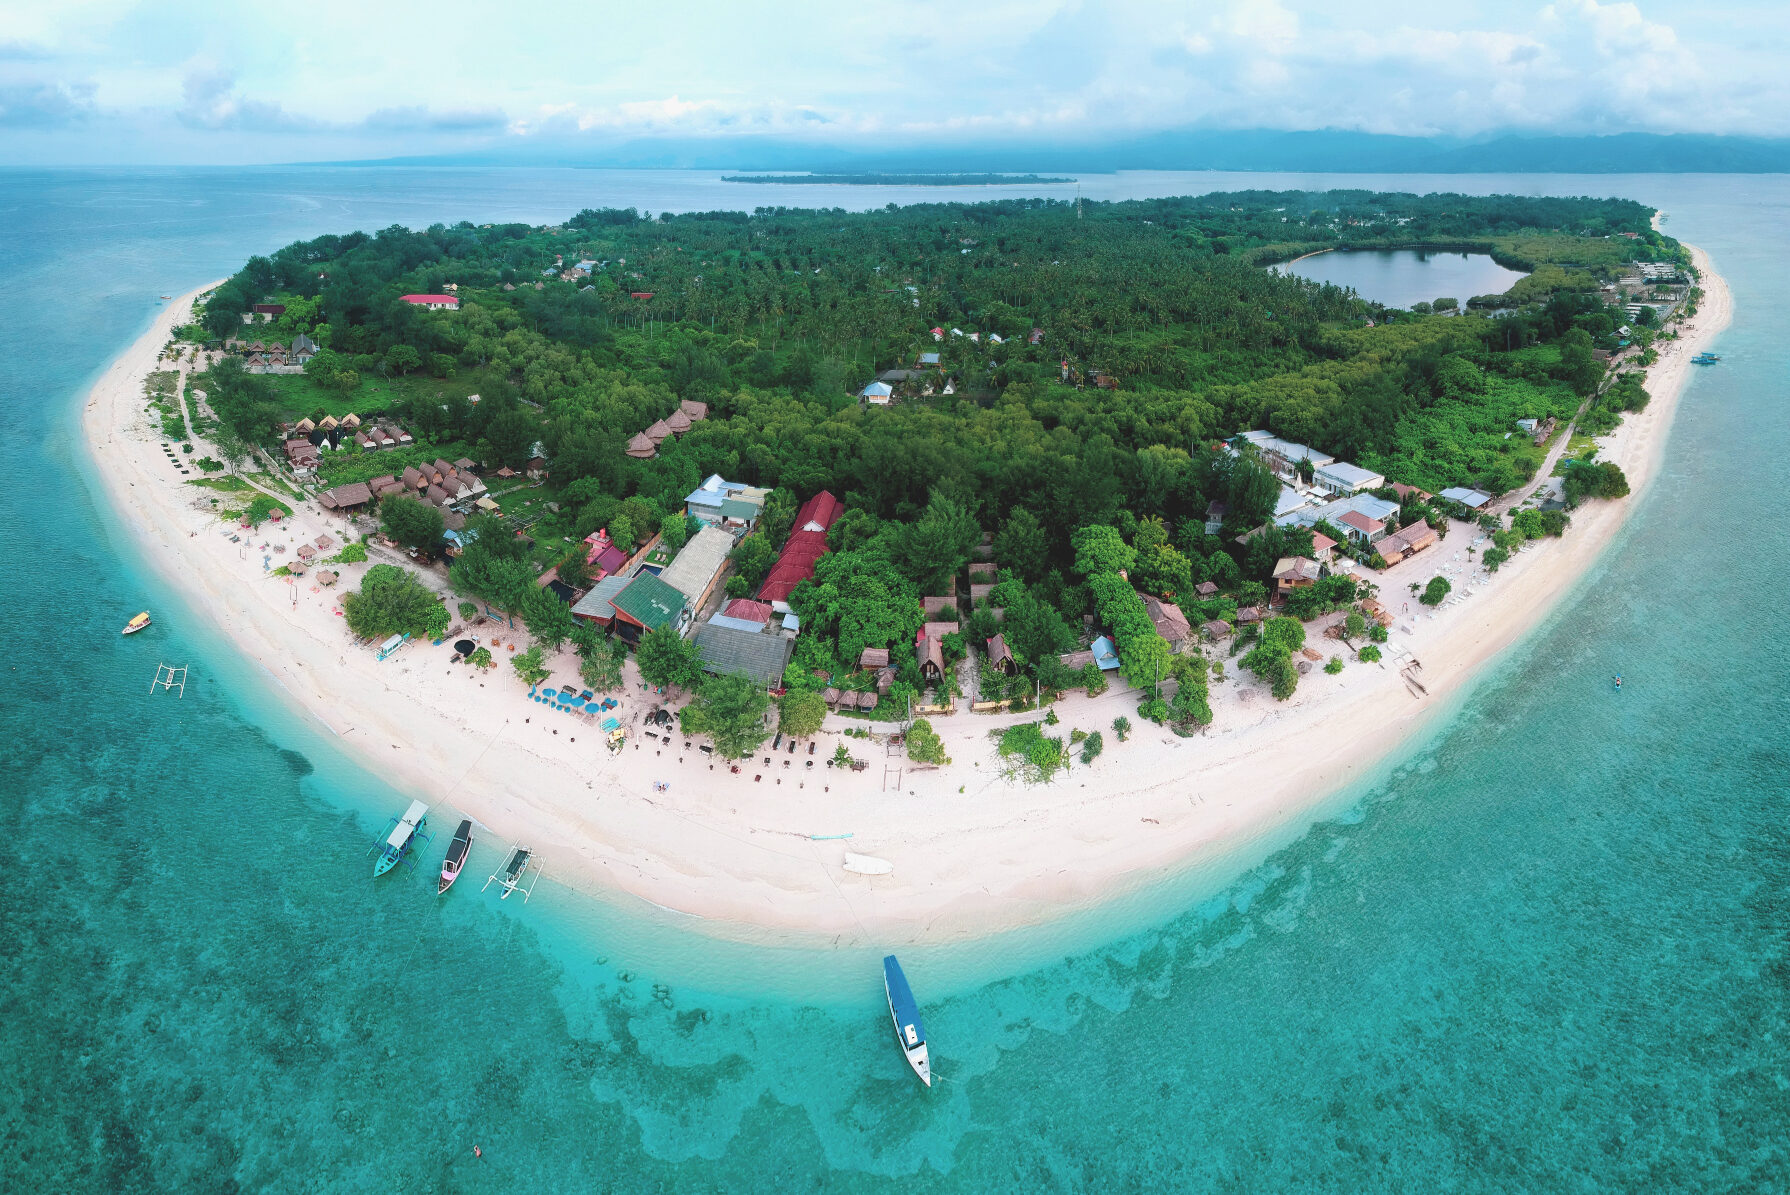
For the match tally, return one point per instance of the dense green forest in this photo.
(1115, 344)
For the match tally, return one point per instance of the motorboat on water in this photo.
(136, 624)
(456, 857)
(398, 841)
(910, 1034)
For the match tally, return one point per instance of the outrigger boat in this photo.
(910, 1034)
(136, 624)
(513, 873)
(1705, 359)
(456, 857)
(398, 841)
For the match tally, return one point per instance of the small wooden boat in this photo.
(456, 857)
(910, 1034)
(403, 833)
(867, 865)
(514, 870)
(136, 624)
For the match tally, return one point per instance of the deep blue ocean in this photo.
(1546, 950)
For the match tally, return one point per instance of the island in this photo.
(919, 572)
(895, 179)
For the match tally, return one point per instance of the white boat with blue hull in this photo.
(401, 834)
(910, 1034)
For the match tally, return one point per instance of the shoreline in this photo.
(973, 855)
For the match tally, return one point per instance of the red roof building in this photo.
(807, 543)
(433, 302)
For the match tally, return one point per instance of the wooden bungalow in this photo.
(1000, 657)
(694, 411)
(873, 657)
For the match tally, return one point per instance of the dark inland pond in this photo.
(1401, 277)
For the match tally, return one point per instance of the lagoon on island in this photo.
(1401, 277)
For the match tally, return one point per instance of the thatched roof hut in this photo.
(694, 411)
(657, 432)
(325, 577)
(830, 695)
(678, 422)
(640, 447)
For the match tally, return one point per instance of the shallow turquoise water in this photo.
(1545, 952)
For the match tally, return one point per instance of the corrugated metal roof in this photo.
(649, 601)
(726, 651)
(696, 566)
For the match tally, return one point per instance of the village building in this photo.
(1001, 658)
(728, 651)
(1361, 529)
(432, 302)
(806, 544)
(1406, 541)
(1471, 499)
(698, 567)
(1342, 478)
(1294, 572)
(929, 649)
(877, 394)
(1170, 623)
(722, 503)
(645, 604)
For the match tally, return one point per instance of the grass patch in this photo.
(302, 395)
(224, 485)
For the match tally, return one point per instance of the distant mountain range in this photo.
(1244, 150)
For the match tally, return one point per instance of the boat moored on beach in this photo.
(403, 833)
(867, 865)
(514, 871)
(136, 624)
(910, 1034)
(456, 857)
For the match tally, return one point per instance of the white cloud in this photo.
(881, 70)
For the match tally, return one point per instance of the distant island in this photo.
(896, 180)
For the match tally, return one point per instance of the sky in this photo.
(177, 81)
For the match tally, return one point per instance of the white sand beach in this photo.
(972, 853)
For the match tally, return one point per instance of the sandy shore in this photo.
(972, 853)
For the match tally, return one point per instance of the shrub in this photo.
(1334, 666)
(924, 744)
(468, 610)
(529, 666)
(1093, 679)
(352, 553)
(1036, 757)
(1122, 727)
(481, 658)
(1368, 655)
(1435, 591)
(1376, 634)
(1091, 749)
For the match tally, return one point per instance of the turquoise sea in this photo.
(1546, 950)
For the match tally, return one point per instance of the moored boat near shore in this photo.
(910, 1034)
(136, 624)
(456, 857)
(402, 835)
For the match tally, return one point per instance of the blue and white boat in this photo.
(397, 843)
(909, 1032)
